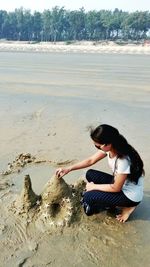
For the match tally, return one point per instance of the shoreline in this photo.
(74, 47)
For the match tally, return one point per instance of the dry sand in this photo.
(50, 123)
(74, 47)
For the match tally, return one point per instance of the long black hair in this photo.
(106, 134)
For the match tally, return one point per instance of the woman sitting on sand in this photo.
(122, 189)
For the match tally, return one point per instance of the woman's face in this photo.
(105, 148)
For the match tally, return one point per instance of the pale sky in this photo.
(40, 5)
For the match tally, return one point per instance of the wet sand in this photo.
(47, 102)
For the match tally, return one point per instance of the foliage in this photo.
(59, 24)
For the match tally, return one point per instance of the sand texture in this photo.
(54, 220)
(48, 101)
(76, 47)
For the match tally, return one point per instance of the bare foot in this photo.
(126, 212)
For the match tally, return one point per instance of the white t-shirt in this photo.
(122, 166)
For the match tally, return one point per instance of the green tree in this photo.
(77, 24)
(94, 26)
(36, 26)
(59, 24)
(46, 25)
(28, 25)
(3, 17)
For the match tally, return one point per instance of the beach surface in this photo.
(76, 47)
(48, 100)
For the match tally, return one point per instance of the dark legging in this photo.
(105, 199)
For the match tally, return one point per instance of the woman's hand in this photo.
(62, 171)
(90, 186)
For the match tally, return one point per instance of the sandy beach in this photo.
(75, 47)
(49, 96)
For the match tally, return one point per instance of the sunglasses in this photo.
(99, 147)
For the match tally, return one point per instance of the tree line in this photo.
(59, 24)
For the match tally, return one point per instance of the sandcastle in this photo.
(57, 206)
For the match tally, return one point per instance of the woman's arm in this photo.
(115, 187)
(80, 165)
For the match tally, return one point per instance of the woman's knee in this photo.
(89, 175)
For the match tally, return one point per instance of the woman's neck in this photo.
(112, 153)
